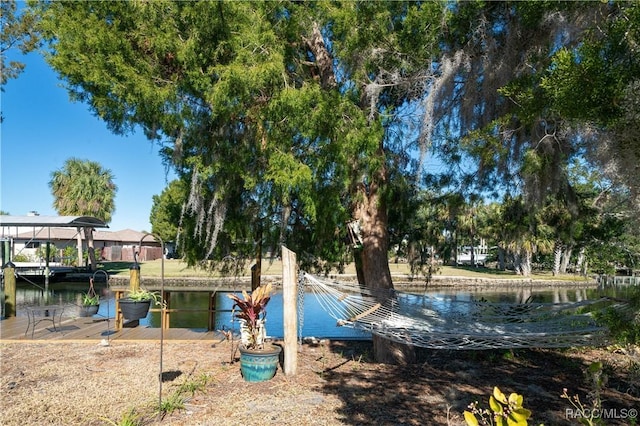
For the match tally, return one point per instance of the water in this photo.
(316, 322)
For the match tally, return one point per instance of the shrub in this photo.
(503, 411)
(623, 320)
(21, 257)
(43, 253)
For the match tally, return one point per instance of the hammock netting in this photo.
(448, 323)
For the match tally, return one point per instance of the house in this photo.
(113, 245)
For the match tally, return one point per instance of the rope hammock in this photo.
(447, 323)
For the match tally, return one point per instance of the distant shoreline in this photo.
(400, 281)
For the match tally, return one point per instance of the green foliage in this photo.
(42, 252)
(83, 188)
(502, 411)
(90, 299)
(271, 150)
(96, 254)
(623, 319)
(21, 257)
(69, 256)
(274, 145)
(176, 400)
(166, 210)
(196, 385)
(130, 418)
(142, 294)
(19, 31)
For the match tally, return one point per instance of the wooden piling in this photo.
(9, 290)
(211, 323)
(290, 311)
(255, 276)
(134, 278)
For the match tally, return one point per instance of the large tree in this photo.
(528, 87)
(84, 188)
(166, 210)
(288, 119)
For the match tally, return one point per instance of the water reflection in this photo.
(316, 322)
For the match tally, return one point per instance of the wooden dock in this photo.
(93, 329)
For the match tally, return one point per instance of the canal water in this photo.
(316, 322)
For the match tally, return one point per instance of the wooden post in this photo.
(255, 276)
(165, 309)
(256, 269)
(47, 270)
(211, 325)
(10, 290)
(119, 318)
(134, 278)
(290, 311)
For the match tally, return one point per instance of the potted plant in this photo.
(90, 301)
(136, 304)
(258, 359)
(90, 304)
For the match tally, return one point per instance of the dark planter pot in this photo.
(89, 310)
(134, 309)
(259, 365)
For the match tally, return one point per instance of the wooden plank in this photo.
(290, 311)
(13, 327)
(92, 330)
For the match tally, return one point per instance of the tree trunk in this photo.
(372, 260)
(526, 263)
(582, 264)
(580, 260)
(501, 260)
(557, 256)
(91, 252)
(517, 262)
(522, 262)
(566, 258)
(473, 254)
(373, 265)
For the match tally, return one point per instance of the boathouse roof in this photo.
(51, 221)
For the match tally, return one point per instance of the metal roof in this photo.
(58, 221)
(58, 233)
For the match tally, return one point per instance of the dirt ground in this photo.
(336, 384)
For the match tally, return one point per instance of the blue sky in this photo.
(42, 128)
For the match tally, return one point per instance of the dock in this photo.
(37, 271)
(94, 330)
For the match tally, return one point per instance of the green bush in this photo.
(21, 257)
(43, 254)
(623, 319)
(70, 256)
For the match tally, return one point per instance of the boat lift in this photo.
(19, 223)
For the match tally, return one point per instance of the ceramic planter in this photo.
(259, 365)
(134, 309)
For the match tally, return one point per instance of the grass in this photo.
(176, 268)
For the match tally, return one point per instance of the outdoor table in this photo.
(37, 314)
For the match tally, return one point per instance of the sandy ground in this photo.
(337, 384)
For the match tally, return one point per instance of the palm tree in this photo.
(84, 188)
